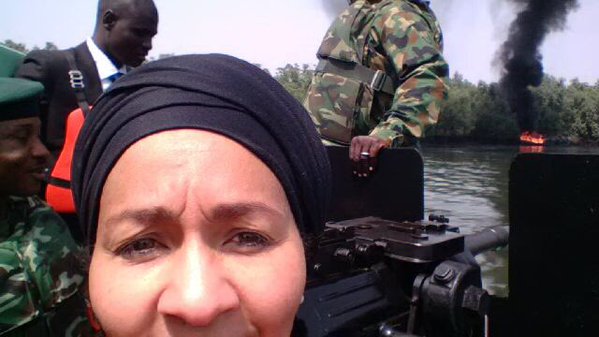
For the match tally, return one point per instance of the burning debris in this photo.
(521, 59)
(532, 138)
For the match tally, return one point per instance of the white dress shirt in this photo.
(105, 67)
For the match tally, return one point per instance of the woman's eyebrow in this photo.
(225, 211)
(145, 216)
(237, 210)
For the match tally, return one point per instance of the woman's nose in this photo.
(199, 290)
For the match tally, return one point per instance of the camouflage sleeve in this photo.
(415, 53)
(59, 273)
(45, 269)
(55, 260)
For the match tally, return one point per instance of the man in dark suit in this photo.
(122, 38)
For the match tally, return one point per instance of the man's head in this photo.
(124, 30)
(23, 157)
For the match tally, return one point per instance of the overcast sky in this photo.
(276, 32)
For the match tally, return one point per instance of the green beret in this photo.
(10, 60)
(19, 98)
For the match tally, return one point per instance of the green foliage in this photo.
(459, 115)
(23, 48)
(549, 102)
(295, 79)
(16, 46)
(167, 55)
(480, 112)
(582, 105)
(477, 112)
(494, 121)
(48, 46)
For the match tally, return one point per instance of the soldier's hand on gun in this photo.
(363, 152)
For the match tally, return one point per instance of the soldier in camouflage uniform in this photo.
(40, 272)
(381, 78)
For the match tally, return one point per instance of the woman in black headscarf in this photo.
(193, 178)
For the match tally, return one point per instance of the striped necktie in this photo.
(115, 76)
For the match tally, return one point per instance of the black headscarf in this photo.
(218, 93)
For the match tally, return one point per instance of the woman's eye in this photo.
(247, 242)
(141, 250)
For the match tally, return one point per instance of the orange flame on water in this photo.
(532, 138)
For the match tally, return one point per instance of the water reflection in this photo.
(469, 185)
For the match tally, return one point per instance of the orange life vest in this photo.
(58, 192)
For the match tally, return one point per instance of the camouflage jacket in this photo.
(39, 274)
(401, 38)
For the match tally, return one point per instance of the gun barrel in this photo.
(489, 238)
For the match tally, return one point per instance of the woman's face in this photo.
(195, 238)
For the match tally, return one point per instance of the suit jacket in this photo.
(51, 69)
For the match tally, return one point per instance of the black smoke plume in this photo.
(520, 55)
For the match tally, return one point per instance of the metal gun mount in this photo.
(374, 277)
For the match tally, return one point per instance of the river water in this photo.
(469, 185)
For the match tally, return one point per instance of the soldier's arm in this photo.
(422, 71)
(60, 273)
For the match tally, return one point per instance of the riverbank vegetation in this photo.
(568, 111)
